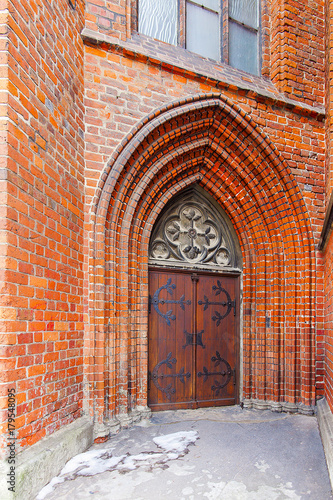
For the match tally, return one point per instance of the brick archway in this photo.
(209, 141)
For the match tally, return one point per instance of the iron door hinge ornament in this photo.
(228, 303)
(226, 374)
(156, 301)
(168, 390)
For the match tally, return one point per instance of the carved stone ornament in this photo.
(193, 232)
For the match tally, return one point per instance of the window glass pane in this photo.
(202, 32)
(244, 11)
(211, 4)
(243, 48)
(158, 19)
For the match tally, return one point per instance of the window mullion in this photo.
(225, 31)
(182, 23)
(250, 28)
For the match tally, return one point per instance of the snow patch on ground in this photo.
(50, 487)
(177, 442)
(187, 491)
(94, 462)
(90, 463)
(262, 466)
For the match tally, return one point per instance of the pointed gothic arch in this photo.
(209, 141)
(213, 244)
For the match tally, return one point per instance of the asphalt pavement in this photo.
(214, 453)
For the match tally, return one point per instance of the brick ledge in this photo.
(205, 70)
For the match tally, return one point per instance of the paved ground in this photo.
(214, 454)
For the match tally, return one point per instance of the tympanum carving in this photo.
(193, 232)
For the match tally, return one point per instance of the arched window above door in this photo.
(194, 231)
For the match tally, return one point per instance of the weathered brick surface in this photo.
(273, 195)
(297, 41)
(327, 346)
(109, 17)
(329, 101)
(75, 222)
(42, 197)
(292, 34)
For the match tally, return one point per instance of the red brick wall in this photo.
(42, 216)
(109, 17)
(329, 101)
(297, 48)
(329, 322)
(121, 90)
(328, 249)
(293, 40)
(5, 337)
(142, 109)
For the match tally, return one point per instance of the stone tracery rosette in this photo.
(194, 233)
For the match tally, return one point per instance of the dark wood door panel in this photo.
(216, 317)
(193, 340)
(170, 366)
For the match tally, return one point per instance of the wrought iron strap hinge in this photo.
(156, 301)
(229, 304)
(168, 390)
(225, 372)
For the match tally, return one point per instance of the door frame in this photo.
(238, 322)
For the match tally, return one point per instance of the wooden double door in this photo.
(193, 357)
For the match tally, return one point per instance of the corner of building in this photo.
(325, 422)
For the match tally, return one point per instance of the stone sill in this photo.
(189, 65)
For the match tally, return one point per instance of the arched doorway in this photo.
(194, 306)
(206, 141)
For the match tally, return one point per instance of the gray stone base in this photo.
(121, 421)
(36, 466)
(325, 421)
(259, 404)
